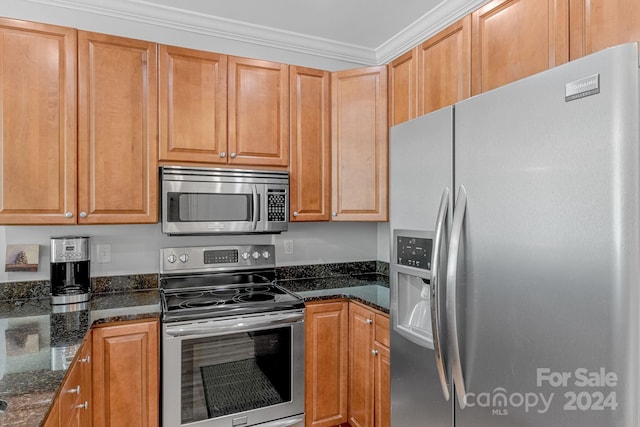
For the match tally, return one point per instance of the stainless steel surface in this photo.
(550, 247)
(233, 325)
(70, 248)
(221, 311)
(452, 300)
(421, 167)
(542, 288)
(437, 293)
(266, 210)
(68, 214)
(182, 260)
(172, 347)
(83, 214)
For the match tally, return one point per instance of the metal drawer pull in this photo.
(84, 405)
(75, 390)
(369, 321)
(374, 352)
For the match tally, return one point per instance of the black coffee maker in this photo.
(70, 260)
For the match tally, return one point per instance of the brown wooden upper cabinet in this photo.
(598, 24)
(444, 67)
(117, 130)
(310, 169)
(403, 87)
(193, 105)
(258, 112)
(432, 75)
(513, 39)
(38, 140)
(359, 144)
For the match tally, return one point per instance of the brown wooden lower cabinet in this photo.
(347, 365)
(326, 355)
(114, 379)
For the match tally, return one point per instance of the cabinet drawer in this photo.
(382, 329)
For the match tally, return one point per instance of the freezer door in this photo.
(548, 267)
(421, 174)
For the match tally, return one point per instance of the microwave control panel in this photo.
(414, 252)
(276, 206)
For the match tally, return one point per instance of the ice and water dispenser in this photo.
(411, 287)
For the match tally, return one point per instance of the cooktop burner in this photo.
(208, 282)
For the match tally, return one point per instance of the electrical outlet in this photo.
(288, 247)
(103, 253)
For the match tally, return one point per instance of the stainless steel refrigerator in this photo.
(515, 253)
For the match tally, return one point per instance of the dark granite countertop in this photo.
(39, 345)
(371, 289)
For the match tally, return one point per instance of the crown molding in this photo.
(174, 18)
(429, 24)
(192, 22)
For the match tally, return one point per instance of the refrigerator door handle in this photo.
(452, 282)
(436, 279)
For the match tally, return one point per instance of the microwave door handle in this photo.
(256, 207)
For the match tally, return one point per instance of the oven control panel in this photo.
(216, 258)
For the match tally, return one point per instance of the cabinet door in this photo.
(117, 130)
(193, 105)
(403, 90)
(38, 127)
(598, 24)
(258, 100)
(361, 366)
(310, 177)
(444, 67)
(513, 39)
(382, 394)
(359, 144)
(125, 374)
(326, 355)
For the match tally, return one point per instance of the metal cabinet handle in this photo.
(68, 214)
(83, 214)
(334, 214)
(369, 321)
(436, 280)
(233, 155)
(374, 352)
(75, 390)
(223, 154)
(84, 405)
(295, 213)
(85, 359)
(452, 284)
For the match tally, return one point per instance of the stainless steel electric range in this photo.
(232, 341)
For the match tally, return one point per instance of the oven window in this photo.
(235, 373)
(203, 207)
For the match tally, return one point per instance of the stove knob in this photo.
(184, 257)
(266, 254)
(172, 258)
(245, 255)
(256, 255)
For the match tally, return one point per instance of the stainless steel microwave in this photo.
(223, 201)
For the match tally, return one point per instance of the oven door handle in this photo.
(235, 325)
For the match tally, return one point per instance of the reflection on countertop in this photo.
(38, 345)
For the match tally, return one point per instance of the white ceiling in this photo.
(368, 32)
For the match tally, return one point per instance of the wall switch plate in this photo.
(103, 253)
(288, 247)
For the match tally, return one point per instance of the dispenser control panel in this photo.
(414, 251)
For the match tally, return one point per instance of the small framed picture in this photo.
(22, 258)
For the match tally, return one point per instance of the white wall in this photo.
(383, 241)
(135, 249)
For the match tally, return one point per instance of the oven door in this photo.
(234, 372)
(190, 207)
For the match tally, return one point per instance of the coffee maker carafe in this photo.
(70, 281)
